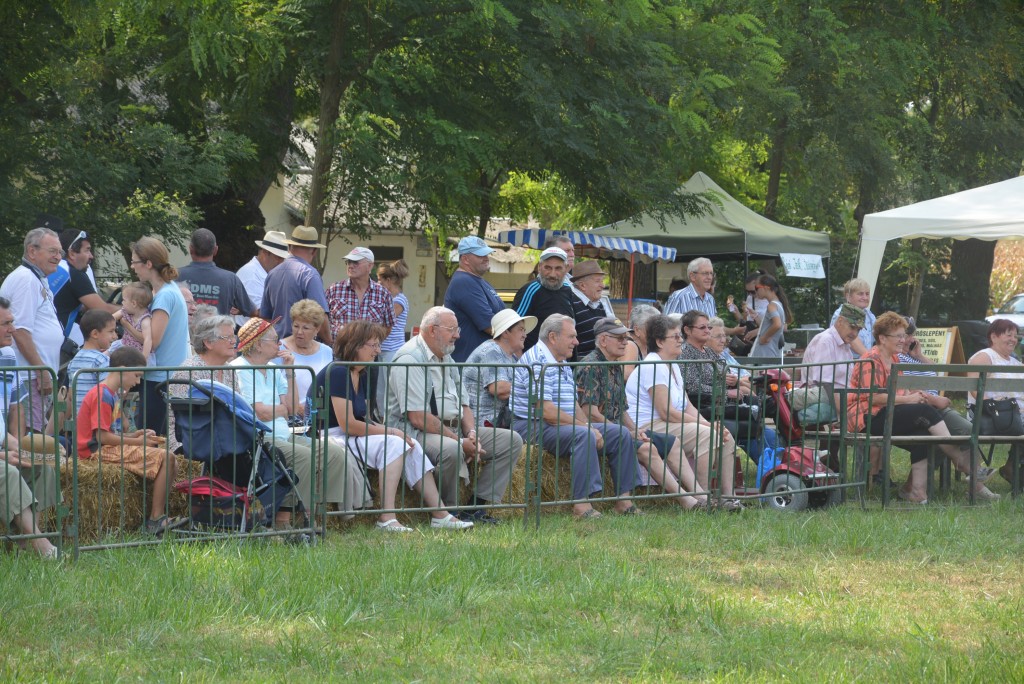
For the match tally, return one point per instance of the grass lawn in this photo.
(896, 595)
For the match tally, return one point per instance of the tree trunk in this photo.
(970, 269)
(644, 280)
(332, 87)
(771, 199)
(234, 216)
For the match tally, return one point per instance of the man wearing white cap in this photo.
(472, 298)
(293, 280)
(358, 298)
(552, 296)
(272, 251)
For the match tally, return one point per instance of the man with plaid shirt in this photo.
(359, 298)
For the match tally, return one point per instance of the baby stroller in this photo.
(247, 480)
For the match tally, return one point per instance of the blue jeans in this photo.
(581, 446)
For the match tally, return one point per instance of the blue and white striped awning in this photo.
(590, 245)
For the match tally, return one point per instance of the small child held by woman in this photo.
(136, 318)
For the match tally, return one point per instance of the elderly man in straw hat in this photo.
(272, 251)
(293, 280)
(488, 386)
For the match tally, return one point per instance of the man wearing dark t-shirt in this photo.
(552, 297)
(472, 298)
(211, 284)
(75, 292)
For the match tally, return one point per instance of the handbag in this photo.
(504, 418)
(1001, 417)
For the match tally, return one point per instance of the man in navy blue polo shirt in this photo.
(472, 298)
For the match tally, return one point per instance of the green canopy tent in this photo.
(729, 231)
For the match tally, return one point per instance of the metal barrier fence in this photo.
(456, 434)
(126, 489)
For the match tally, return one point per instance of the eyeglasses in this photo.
(705, 273)
(619, 338)
(719, 337)
(450, 328)
(272, 340)
(233, 339)
(137, 261)
(372, 345)
(52, 251)
(677, 336)
(896, 337)
(699, 327)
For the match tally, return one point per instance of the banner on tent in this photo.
(802, 265)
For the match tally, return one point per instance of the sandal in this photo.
(632, 510)
(163, 523)
(592, 514)
(392, 526)
(732, 506)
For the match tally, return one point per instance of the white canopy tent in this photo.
(991, 212)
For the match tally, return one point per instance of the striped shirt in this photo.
(687, 299)
(559, 386)
(907, 358)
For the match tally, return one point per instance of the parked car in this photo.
(1012, 310)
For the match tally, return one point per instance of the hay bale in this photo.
(556, 482)
(110, 501)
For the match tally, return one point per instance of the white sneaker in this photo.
(450, 522)
(392, 526)
(983, 493)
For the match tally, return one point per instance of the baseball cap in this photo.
(610, 325)
(471, 244)
(360, 254)
(554, 252)
(854, 315)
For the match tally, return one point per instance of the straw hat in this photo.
(274, 242)
(506, 318)
(251, 332)
(304, 236)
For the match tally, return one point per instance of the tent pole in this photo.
(828, 289)
(629, 302)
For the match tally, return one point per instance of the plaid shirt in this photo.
(377, 305)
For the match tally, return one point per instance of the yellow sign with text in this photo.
(941, 345)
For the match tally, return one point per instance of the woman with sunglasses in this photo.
(273, 397)
(912, 414)
(391, 452)
(658, 404)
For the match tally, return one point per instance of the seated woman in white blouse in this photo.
(657, 401)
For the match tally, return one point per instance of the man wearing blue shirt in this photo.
(472, 298)
(564, 427)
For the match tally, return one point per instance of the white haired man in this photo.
(563, 425)
(38, 335)
(697, 295)
(426, 401)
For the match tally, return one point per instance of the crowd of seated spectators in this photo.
(408, 410)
